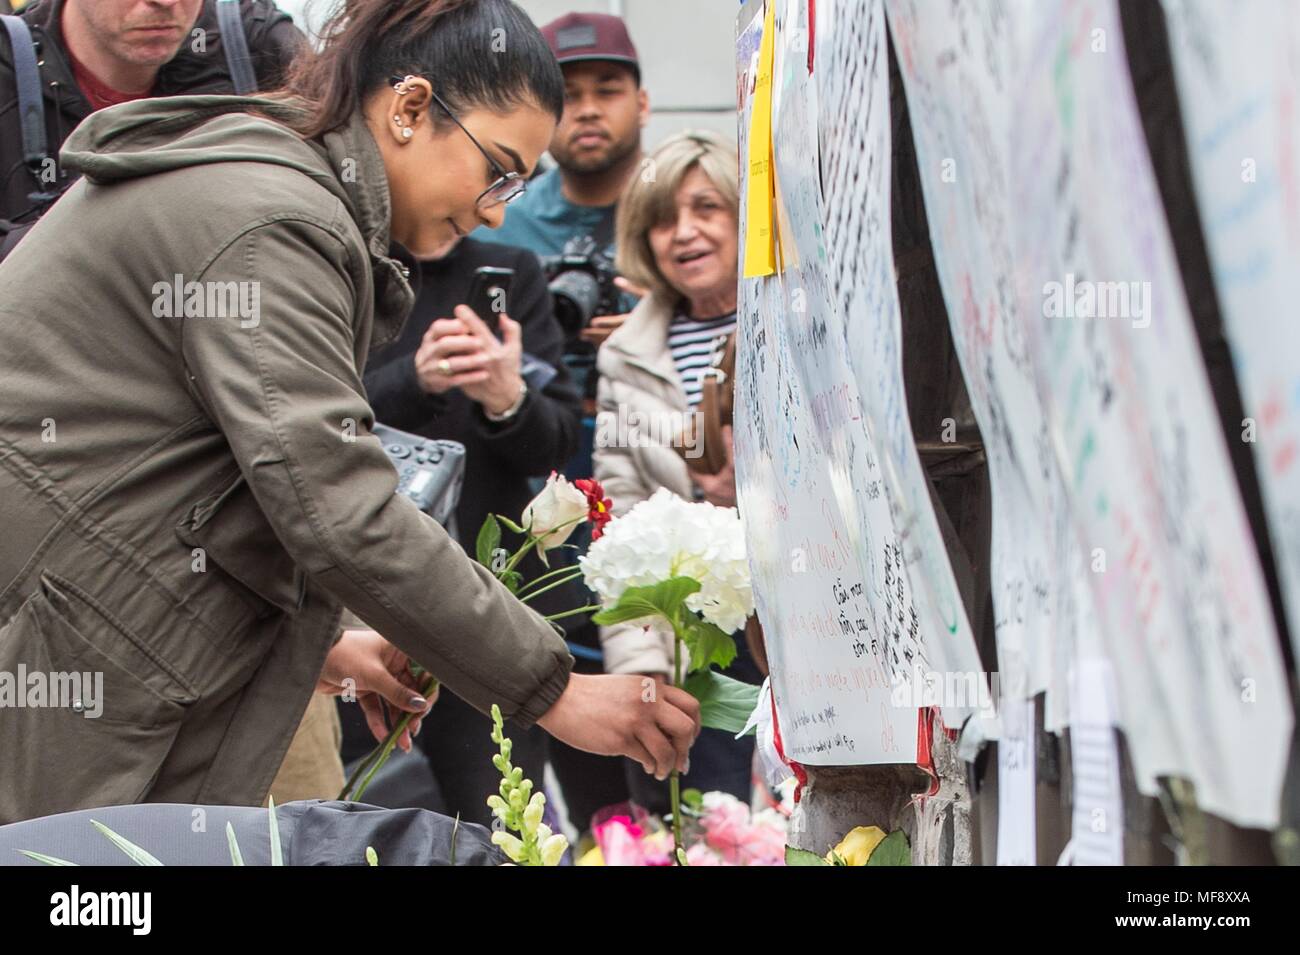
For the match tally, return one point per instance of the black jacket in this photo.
(272, 42)
(500, 458)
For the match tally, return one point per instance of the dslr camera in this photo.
(581, 283)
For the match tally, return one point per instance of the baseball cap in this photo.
(591, 36)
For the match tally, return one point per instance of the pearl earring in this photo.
(408, 132)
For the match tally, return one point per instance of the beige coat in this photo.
(642, 406)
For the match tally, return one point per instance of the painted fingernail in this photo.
(419, 701)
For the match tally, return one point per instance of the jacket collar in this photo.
(354, 156)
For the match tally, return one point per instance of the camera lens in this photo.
(576, 294)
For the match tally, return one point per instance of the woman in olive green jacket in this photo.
(189, 489)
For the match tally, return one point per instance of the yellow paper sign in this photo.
(760, 241)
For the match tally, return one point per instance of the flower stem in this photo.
(379, 755)
(674, 781)
(532, 540)
(566, 569)
(559, 583)
(570, 613)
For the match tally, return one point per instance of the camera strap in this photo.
(603, 234)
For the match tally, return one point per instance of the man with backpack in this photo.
(60, 60)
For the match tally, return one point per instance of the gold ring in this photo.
(444, 366)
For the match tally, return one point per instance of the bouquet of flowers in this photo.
(719, 830)
(681, 564)
(547, 523)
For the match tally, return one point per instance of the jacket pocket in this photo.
(236, 536)
(87, 713)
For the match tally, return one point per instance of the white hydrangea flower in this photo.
(666, 536)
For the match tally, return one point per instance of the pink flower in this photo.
(700, 854)
(726, 826)
(620, 841)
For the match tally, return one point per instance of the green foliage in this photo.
(893, 850)
(725, 704)
(795, 856)
(489, 539)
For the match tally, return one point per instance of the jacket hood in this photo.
(151, 136)
(155, 135)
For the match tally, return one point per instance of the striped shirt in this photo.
(694, 343)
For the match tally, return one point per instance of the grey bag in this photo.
(312, 832)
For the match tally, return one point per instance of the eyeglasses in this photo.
(507, 187)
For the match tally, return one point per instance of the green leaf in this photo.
(706, 642)
(489, 539)
(512, 579)
(664, 599)
(48, 860)
(893, 850)
(277, 853)
(236, 857)
(795, 856)
(725, 704)
(692, 798)
(372, 857)
(510, 525)
(134, 852)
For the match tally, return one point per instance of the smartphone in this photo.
(489, 295)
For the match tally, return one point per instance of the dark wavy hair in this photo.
(483, 54)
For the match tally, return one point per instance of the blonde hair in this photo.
(650, 198)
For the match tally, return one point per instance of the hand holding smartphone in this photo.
(489, 295)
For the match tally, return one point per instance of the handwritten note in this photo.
(1097, 816)
(1116, 521)
(853, 82)
(1017, 831)
(1238, 73)
(829, 578)
(957, 61)
(1171, 565)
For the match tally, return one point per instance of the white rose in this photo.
(555, 512)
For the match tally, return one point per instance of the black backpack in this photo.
(31, 108)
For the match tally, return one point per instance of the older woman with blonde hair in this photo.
(677, 237)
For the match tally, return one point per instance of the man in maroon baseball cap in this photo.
(597, 146)
(598, 141)
(585, 37)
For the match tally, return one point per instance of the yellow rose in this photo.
(856, 847)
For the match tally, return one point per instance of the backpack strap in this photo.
(31, 110)
(235, 45)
